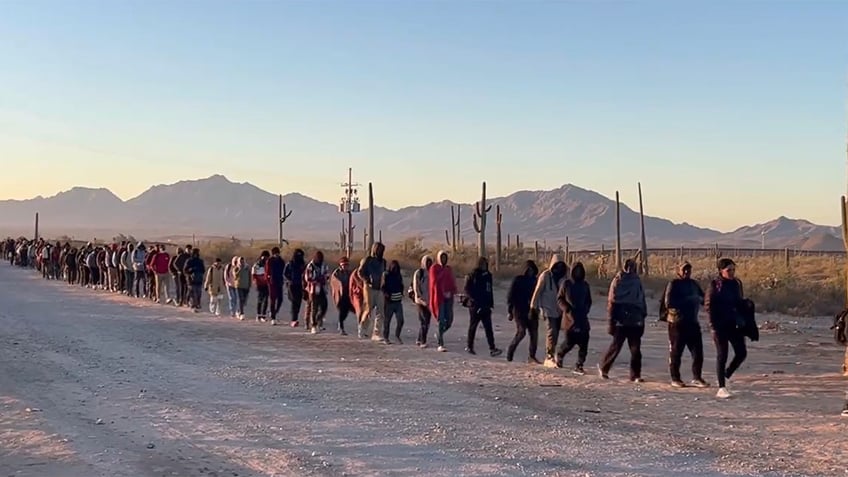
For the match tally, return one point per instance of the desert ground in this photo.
(97, 384)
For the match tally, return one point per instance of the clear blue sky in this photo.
(728, 112)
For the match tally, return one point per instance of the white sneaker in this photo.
(441, 349)
(241, 317)
(549, 363)
(723, 393)
(314, 330)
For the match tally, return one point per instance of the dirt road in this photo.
(93, 384)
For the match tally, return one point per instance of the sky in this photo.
(728, 113)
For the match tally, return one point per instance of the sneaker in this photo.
(549, 363)
(495, 352)
(470, 351)
(295, 324)
(378, 339)
(442, 349)
(217, 313)
(601, 373)
(313, 330)
(509, 357)
(578, 371)
(723, 393)
(241, 317)
(678, 384)
(637, 380)
(343, 332)
(700, 383)
(423, 346)
(399, 341)
(273, 322)
(533, 360)
(845, 410)
(558, 363)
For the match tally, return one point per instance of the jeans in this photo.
(424, 317)
(262, 303)
(163, 287)
(140, 283)
(232, 300)
(375, 305)
(552, 336)
(393, 309)
(682, 335)
(445, 320)
(633, 336)
(524, 325)
(130, 281)
(296, 297)
(242, 299)
(344, 307)
(476, 317)
(317, 310)
(195, 294)
(723, 339)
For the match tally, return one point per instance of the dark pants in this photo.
(344, 307)
(183, 286)
(316, 310)
(723, 339)
(523, 326)
(72, 275)
(684, 335)
(476, 317)
(552, 337)
(275, 291)
(424, 317)
(196, 293)
(177, 289)
(262, 301)
(242, 299)
(580, 339)
(140, 284)
(296, 297)
(130, 281)
(393, 309)
(633, 336)
(445, 320)
(94, 276)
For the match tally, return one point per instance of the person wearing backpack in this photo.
(260, 279)
(627, 310)
(421, 297)
(682, 300)
(195, 270)
(340, 287)
(275, 273)
(392, 286)
(544, 304)
(479, 299)
(723, 304)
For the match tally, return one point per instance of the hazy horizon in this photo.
(729, 113)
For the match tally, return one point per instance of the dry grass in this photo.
(811, 286)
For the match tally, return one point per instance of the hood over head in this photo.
(424, 260)
(377, 249)
(555, 259)
(682, 267)
(530, 266)
(439, 256)
(482, 263)
(629, 266)
(298, 255)
(394, 267)
(578, 272)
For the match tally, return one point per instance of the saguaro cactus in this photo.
(370, 233)
(283, 215)
(643, 257)
(36, 227)
(498, 238)
(480, 213)
(617, 232)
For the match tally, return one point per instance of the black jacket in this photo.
(520, 294)
(392, 285)
(682, 299)
(275, 270)
(478, 290)
(575, 300)
(723, 304)
(195, 270)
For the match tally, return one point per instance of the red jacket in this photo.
(160, 263)
(442, 286)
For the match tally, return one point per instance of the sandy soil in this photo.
(93, 384)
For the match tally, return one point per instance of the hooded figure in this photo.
(392, 287)
(421, 296)
(260, 279)
(442, 286)
(682, 300)
(724, 306)
(575, 301)
(195, 270)
(518, 310)
(230, 282)
(544, 304)
(316, 276)
(371, 269)
(480, 301)
(275, 275)
(293, 273)
(340, 287)
(627, 310)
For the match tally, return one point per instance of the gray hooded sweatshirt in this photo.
(545, 295)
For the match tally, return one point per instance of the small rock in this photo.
(33, 409)
(98, 421)
(151, 446)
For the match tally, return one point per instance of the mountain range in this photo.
(216, 206)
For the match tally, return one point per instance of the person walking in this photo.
(195, 270)
(340, 286)
(627, 310)
(174, 269)
(161, 264)
(543, 304)
(182, 278)
(682, 299)
(139, 257)
(260, 279)
(575, 301)
(421, 296)
(127, 267)
(316, 276)
(723, 305)
(518, 311)
(242, 281)
(479, 299)
(442, 291)
(275, 275)
(392, 287)
(215, 286)
(230, 282)
(295, 284)
(356, 285)
(371, 269)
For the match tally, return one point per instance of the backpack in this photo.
(663, 310)
(410, 292)
(840, 327)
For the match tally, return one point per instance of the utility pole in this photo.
(763, 233)
(349, 204)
